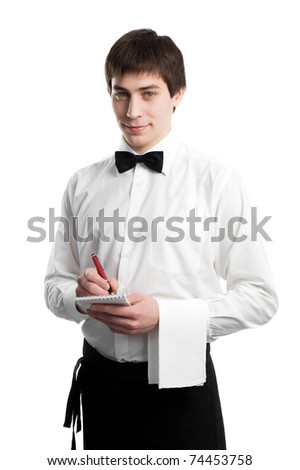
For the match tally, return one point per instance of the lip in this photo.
(136, 129)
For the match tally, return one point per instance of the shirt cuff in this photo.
(69, 296)
(177, 348)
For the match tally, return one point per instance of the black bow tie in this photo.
(126, 160)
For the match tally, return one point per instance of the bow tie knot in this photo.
(126, 160)
(138, 158)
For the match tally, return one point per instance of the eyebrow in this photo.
(142, 88)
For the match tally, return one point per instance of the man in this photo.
(167, 231)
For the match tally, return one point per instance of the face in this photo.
(143, 108)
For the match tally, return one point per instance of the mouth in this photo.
(135, 129)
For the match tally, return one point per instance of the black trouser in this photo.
(122, 411)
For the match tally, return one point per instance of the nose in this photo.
(134, 109)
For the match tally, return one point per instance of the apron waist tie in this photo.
(73, 414)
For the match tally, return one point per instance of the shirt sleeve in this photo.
(177, 348)
(64, 267)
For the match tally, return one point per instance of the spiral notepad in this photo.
(115, 299)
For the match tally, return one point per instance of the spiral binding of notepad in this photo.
(114, 299)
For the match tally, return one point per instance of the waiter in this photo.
(168, 223)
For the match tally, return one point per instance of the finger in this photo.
(113, 284)
(81, 292)
(103, 318)
(116, 324)
(112, 320)
(92, 275)
(89, 288)
(124, 331)
(113, 310)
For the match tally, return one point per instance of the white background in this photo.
(241, 106)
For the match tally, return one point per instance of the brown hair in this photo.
(142, 50)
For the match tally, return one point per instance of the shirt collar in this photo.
(169, 145)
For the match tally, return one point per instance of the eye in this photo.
(120, 95)
(149, 94)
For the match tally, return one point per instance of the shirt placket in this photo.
(122, 341)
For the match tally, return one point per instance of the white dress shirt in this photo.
(183, 276)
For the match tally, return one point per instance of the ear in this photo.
(178, 97)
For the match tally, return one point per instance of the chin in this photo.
(137, 143)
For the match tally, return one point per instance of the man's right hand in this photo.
(91, 283)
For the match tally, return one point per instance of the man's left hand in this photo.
(139, 317)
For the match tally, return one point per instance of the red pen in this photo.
(100, 270)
